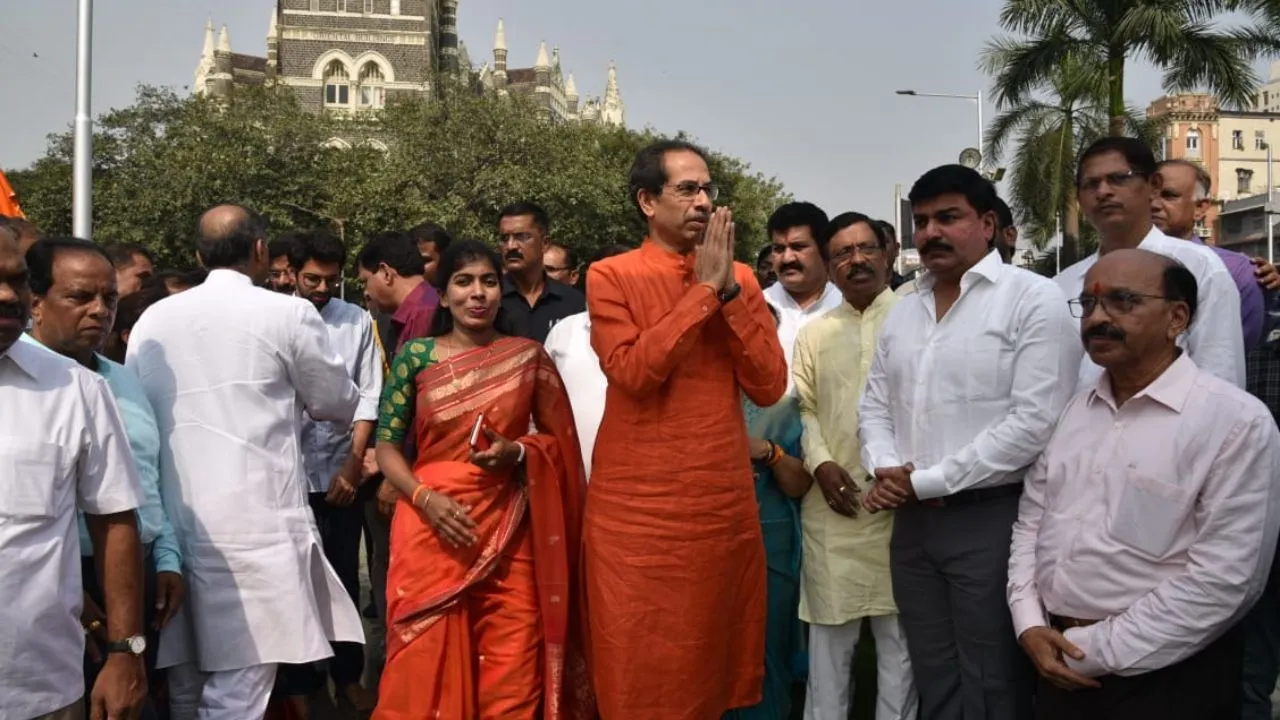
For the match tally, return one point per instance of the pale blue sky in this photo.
(801, 90)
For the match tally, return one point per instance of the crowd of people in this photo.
(662, 484)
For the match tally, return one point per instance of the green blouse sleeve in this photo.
(395, 414)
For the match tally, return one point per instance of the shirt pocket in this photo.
(33, 479)
(1149, 514)
(986, 364)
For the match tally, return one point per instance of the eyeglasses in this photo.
(524, 238)
(689, 190)
(1114, 303)
(867, 250)
(1115, 180)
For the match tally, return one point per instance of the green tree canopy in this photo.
(161, 162)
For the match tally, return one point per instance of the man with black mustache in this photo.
(803, 293)
(1147, 528)
(333, 453)
(533, 300)
(63, 447)
(970, 374)
(1116, 182)
(281, 278)
(845, 568)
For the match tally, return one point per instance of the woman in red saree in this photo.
(482, 590)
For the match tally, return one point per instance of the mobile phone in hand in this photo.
(479, 441)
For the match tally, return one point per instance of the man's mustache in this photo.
(1103, 331)
(513, 255)
(791, 266)
(13, 311)
(859, 269)
(932, 245)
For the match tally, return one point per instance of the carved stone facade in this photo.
(352, 55)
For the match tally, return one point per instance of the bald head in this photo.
(1135, 304)
(24, 231)
(233, 237)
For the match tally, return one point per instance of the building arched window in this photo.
(337, 84)
(1193, 144)
(373, 92)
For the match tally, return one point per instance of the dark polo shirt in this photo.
(557, 302)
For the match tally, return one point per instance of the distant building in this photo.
(1230, 144)
(351, 55)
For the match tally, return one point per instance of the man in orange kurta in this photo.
(673, 555)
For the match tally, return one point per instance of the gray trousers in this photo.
(950, 566)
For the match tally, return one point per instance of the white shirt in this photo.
(325, 445)
(1215, 344)
(569, 345)
(970, 400)
(62, 445)
(1158, 517)
(792, 317)
(229, 369)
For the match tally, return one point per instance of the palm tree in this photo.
(1184, 38)
(1041, 137)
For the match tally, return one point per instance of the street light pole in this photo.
(1271, 242)
(976, 98)
(82, 165)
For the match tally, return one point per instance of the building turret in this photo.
(500, 58)
(571, 96)
(542, 66)
(222, 74)
(273, 44)
(204, 68)
(613, 112)
(449, 35)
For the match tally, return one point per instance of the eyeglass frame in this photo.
(1115, 180)
(1080, 312)
(688, 190)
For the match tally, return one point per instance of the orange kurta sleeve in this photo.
(640, 361)
(758, 362)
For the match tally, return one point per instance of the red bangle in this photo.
(775, 454)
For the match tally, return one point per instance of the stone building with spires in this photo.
(353, 55)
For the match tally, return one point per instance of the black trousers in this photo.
(1205, 686)
(340, 531)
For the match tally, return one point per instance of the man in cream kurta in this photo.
(845, 570)
(229, 369)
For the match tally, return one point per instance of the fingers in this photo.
(98, 708)
(1061, 642)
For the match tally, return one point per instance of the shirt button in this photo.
(704, 308)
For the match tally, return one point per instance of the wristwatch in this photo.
(135, 645)
(727, 294)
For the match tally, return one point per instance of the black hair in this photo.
(430, 233)
(122, 254)
(1204, 181)
(1136, 154)
(458, 255)
(396, 250)
(649, 171)
(797, 214)
(958, 180)
(570, 255)
(888, 229)
(767, 252)
(43, 254)
(845, 220)
(1180, 286)
(1004, 214)
(521, 209)
(321, 246)
(234, 242)
(283, 245)
(185, 278)
(131, 307)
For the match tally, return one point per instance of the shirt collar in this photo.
(780, 298)
(674, 260)
(411, 302)
(228, 276)
(990, 268)
(550, 287)
(27, 353)
(1171, 389)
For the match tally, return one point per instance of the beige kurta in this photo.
(845, 572)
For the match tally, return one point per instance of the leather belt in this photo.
(969, 497)
(1062, 624)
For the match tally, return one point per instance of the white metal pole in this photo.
(980, 133)
(1271, 244)
(897, 224)
(1057, 251)
(82, 172)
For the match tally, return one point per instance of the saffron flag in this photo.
(8, 199)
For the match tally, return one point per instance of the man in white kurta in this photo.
(230, 368)
(845, 568)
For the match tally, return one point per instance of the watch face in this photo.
(137, 644)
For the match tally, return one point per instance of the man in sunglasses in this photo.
(1116, 182)
(1146, 528)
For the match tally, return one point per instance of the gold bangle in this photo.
(419, 489)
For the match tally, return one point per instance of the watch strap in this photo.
(726, 295)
